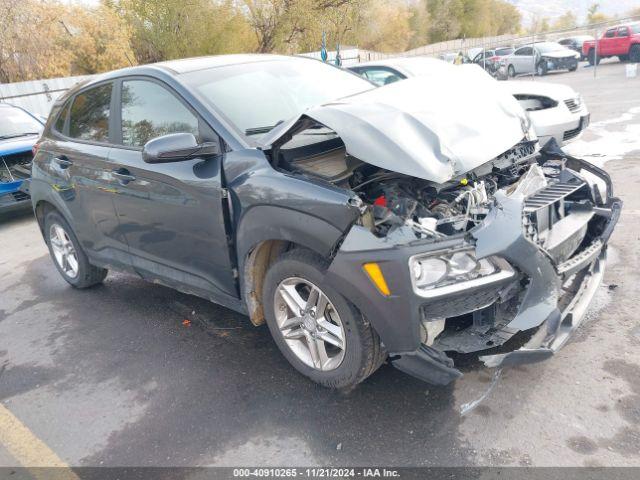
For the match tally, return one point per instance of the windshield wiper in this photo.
(16, 135)
(259, 130)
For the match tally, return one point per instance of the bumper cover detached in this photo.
(553, 288)
(556, 329)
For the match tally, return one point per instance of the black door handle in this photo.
(62, 162)
(123, 175)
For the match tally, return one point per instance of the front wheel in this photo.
(318, 330)
(541, 69)
(67, 254)
(511, 71)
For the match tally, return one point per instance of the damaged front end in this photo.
(502, 268)
(496, 260)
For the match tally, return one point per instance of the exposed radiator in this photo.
(549, 195)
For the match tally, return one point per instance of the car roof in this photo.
(186, 65)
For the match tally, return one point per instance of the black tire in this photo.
(623, 58)
(363, 352)
(88, 275)
(573, 69)
(634, 54)
(511, 71)
(541, 69)
(591, 57)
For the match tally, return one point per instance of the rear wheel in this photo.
(318, 330)
(623, 58)
(511, 71)
(67, 254)
(634, 54)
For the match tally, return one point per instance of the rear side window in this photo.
(623, 32)
(89, 116)
(150, 110)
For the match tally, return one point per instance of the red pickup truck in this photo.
(622, 41)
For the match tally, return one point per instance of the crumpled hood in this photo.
(431, 128)
(560, 54)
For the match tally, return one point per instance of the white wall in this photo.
(36, 96)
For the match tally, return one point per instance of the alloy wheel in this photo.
(309, 324)
(63, 250)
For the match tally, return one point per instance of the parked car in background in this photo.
(19, 131)
(575, 43)
(416, 221)
(622, 41)
(540, 58)
(490, 59)
(556, 111)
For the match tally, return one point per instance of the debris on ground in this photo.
(186, 322)
(613, 286)
(469, 407)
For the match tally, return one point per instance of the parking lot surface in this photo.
(114, 376)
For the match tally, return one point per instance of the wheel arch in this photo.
(267, 231)
(41, 209)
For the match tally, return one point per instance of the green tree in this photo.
(539, 25)
(166, 29)
(450, 19)
(566, 21)
(386, 27)
(594, 15)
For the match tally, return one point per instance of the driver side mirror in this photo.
(176, 147)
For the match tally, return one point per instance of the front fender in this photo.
(267, 222)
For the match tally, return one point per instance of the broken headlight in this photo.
(449, 272)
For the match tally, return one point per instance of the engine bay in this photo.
(395, 204)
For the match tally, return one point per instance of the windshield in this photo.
(17, 123)
(255, 97)
(549, 47)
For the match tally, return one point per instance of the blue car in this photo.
(19, 131)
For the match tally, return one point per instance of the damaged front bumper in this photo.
(520, 318)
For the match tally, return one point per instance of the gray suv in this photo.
(417, 222)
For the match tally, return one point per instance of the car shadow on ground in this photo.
(213, 389)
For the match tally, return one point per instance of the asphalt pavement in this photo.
(114, 376)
